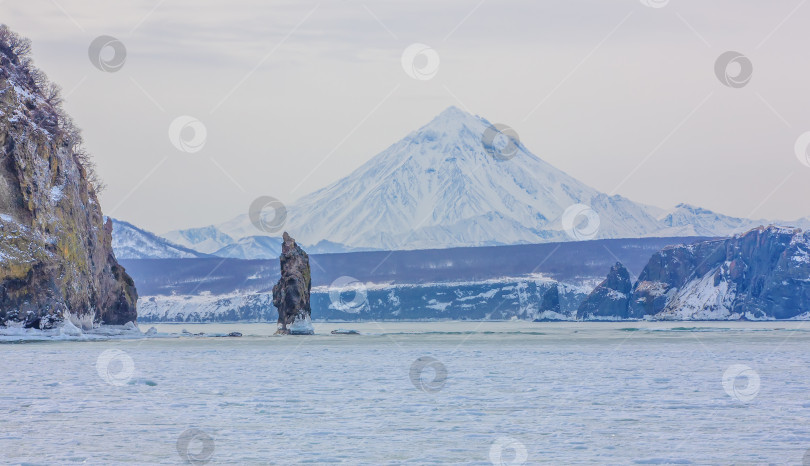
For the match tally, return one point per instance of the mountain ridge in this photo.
(131, 242)
(441, 186)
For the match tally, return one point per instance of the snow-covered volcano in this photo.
(448, 185)
(445, 185)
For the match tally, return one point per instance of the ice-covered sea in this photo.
(420, 393)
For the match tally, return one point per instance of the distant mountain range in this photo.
(131, 242)
(452, 183)
(476, 233)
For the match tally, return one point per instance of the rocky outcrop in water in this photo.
(551, 300)
(761, 274)
(56, 258)
(609, 299)
(291, 293)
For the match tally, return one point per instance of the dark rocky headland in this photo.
(56, 258)
(762, 274)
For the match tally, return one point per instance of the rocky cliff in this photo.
(56, 258)
(551, 300)
(291, 293)
(761, 274)
(609, 299)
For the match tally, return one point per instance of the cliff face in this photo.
(551, 300)
(764, 273)
(55, 249)
(761, 274)
(291, 293)
(609, 299)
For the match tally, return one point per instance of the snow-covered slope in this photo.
(131, 242)
(252, 247)
(206, 239)
(442, 187)
(687, 220)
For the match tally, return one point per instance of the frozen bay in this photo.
(440, 392)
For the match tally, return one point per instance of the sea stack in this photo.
(291, 293)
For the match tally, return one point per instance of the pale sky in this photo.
(620, 95)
